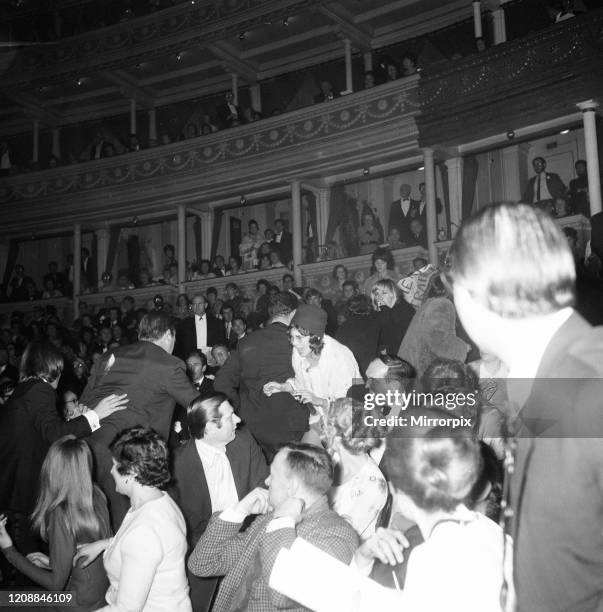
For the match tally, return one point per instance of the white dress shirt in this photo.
(545, 194)
(405, 205)
(201, 331)
(218, 474)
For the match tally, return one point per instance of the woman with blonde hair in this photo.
(71, 510)
(394, 315)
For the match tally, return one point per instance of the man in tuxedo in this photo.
(402, 211)
(513, 277)
(153, 379)
(217, 467)
(196, 366)
(229, 114)
(544, 188)
(295, 505)
(284, 240)
(89, 272)
(199, 331)
(261, 357)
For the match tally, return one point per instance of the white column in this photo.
(35, 156)
(207, 222)
(347, 48)
(152, 124)
(181, 247)
(235, 88)
(589, 119)
(499, 26)
(56, 143)
(430, 205)
(368, 61)
(77, 263)
(514, 168)
(296, 229)
(256, 97)
(102, 250)
(477, 19)
(132, 116)
(454, 167)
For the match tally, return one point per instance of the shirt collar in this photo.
(208, 452)
(199, 318)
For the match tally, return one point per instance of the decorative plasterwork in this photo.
(276, 136)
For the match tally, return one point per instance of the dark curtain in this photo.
(343, 215)
(197, 232)
(133, 248)
(215, 232)
(114, 233)
(470, 168)
(11, 261)
(446, 189)
(311, 221)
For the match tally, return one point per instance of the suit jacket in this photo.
(246, 559)
(398, 219)
(154, 381)
(19, 290)
(186, 335)
(89, 273)
(261, 357)
(557, 485)
(224, 115)
(361, 335)
(29, 424)
(554, 184)
(285, 246)
(190, 490)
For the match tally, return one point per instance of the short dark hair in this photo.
(385, 255)
(143, 453)
(311, 464)
(41, 360)
(282, 304)
(360, 305)
(201, 411)
(198, 353)
(262, 281)
(436, 469)
(154, 325)
(288, 276)
(212, 290)
(312, 293)
(350, 283)
(253, 222)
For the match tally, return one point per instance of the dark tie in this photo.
(538, 189)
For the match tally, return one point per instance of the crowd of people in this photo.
(168, 466)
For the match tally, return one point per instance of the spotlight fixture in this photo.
(564, 132)
(242, 36)
(510, 134)
(243, 201)
(286, 21)
(366, 171)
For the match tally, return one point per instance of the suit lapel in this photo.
(193, 461)
(238, 465)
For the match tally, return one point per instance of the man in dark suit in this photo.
(578, 198)
(261, 357)
(544, 188)
(216, 468)
(295, 505)
(283, 240)
(18, 284)
(229, 114)
(402, 211)
(524, 316)
(154, 381)
(199, 331)
(89, 272)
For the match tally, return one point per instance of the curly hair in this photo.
(142, 453)
(385, 255)
(317, 343)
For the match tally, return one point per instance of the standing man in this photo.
(402, 211)
(284, 240)
(578, 197)
(153, 379)
(513, 278)
(544, 188)
(199, 331)
(262, 357)
(89, 272)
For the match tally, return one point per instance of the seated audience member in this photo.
(248, 249)
(369, 79)
(391, 70)
(348, 290)
(383, 267)
(264, 263)
(432, 331)
(266, 248)
(196, 367)
(288, 285)
(295, 505)
(360, 331)
(369, 236)
(233, 298)
(239, 327)
(227, 318)
(338, 277)
(314, 297)
(262, 357)
(205, 270)
(393, 239)
(183, 306)
(324, 369)
(417, 236)
(359, 490)
(71, 510)
(220, 354)
(418, 263)
(275, 259)
(216, 468)
(431, 474)
(234, 266)
(560, 207)
(268, 236)
(144, 561)
(409, 65)
(326, 93)
(29, 424)
(219, 268)
(394, 315)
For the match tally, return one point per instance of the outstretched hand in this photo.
(110, 404)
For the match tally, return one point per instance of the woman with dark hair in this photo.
(409, 65)
(394, 315)
(71, 510)
(360, 330)
(431, 474)
(29, 424)
(359, 490)
(145, 559)
(382, 268)
(183, 306)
